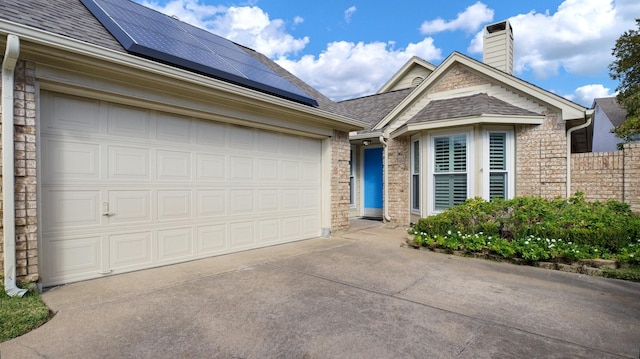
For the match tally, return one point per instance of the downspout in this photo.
(386, 179)
(8, 167)
(588, 114)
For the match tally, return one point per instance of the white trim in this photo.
(353, 173)
(471, 120)
(510, 160)
(414, 139)
(468, 132)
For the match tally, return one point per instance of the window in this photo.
(449, 170)
(498, 180)
(415, 175)
(352, 178)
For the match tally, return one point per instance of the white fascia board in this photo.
(466, 121)
(48, 39)
(363, 136)
(402, 72)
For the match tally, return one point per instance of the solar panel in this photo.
(148, 33)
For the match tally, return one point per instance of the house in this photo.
(438, 135)
(140, 141)
(608, 114)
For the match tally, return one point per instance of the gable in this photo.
(410, 75)
(458, 77)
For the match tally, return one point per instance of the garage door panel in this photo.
(268, 200)
(267, 169)
(173, 165)
(268, 141)
(126, 188)
(241, 202)
(212, 239)
(70, 160)
(210, 167)
(241, 168)
(242, 234)
(290, 199)
(70, 113)
(129, 206)
(128, 163)
(128, 121)
(211, 203)
(72, 257)
(173, 128)
(291, 228)
(311, 172)
(268, 230)
(241, 137)
(71, 208)
(130, 250)
(290, 170)
(174, 244)
(174, 205)
(310, 226)
(212, 134)
(310, 199)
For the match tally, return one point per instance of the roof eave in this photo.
(69, 45)
(468, 120)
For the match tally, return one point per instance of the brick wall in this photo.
(541, 158)
(608, 175)
(398, 186)
(25, 174)
(599, 175)
(458, 77)
(340, 156)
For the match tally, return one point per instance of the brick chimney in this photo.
(497, 48)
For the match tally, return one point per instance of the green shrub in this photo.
(604, 226)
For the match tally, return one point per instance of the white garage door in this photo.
(126, 188)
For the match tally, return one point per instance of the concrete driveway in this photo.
(359, 295)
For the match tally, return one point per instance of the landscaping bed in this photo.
(571, 235)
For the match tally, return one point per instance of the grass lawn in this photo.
(21, 315)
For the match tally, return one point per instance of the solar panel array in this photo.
(148, 33)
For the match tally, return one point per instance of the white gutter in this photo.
(8, 167)
(385, 199)
(588, 114)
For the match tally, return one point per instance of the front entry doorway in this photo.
(373, 185)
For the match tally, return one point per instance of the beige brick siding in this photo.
(632, 175)
(398, 206)
(599, 175)
(25, 172)
(541, 158)
(458, 77)
(340, 156)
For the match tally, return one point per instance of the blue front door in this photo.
(373, 182)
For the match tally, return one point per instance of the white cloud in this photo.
(577, 37)
(584, 95)
(247, 25)
(346, 69)
(469, 20)
(348, 13)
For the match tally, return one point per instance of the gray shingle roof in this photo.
(474, 105)
(372, 109)
(610, 106)
(72, 19)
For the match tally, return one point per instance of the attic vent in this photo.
(416, 81)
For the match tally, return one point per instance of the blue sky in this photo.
(350, 49)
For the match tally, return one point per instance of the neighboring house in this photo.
(608, 114)
(441, 134)
(139, 144)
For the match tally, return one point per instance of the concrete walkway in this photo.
(358, 295)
